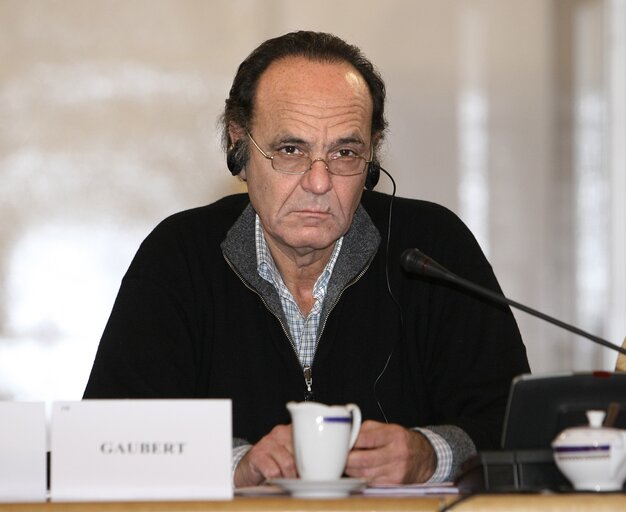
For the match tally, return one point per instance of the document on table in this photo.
(411, 489)
(374, 490)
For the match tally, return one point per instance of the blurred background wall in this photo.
(510, 113)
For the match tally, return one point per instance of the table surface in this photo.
(489, 503)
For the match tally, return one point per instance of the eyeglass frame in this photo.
(270, 157)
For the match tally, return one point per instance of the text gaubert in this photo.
(142, 448)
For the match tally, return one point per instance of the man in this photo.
(288, 293)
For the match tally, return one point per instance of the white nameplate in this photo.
(22, 451)
(141, 450)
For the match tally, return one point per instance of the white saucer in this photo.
(319, 489)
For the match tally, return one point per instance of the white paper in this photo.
(411, 489)
(22, 451)
(141, 450)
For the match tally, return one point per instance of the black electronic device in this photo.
(234, 158)
(416, 262)
(539, 407)
(373, 175)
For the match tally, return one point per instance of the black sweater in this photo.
(185, 324)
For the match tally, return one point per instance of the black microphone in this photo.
(416, 262)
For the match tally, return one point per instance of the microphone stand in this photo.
(415, 261)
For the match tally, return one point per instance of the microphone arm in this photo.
(416, 262)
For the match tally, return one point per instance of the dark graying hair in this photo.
(316, 46)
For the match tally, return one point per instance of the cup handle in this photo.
(356, 423)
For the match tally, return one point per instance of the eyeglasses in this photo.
(339, 163)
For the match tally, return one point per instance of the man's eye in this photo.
(344, 153)
(289, 151)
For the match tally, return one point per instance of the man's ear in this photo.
(235, 133)
(376, 136)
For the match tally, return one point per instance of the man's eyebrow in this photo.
(350, 140)
(294, 139)
(288, 139)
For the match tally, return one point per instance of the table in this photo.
(543, 502)
(478, 503)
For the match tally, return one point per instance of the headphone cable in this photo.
(393, 297)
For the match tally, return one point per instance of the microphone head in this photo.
(416, 262)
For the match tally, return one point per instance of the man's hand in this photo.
(271, 457)
(391, 454)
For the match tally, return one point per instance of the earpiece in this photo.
(234, 159)
(373, 174)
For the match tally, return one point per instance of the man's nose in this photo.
(318, 180)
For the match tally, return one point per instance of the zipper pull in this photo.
(308, 380)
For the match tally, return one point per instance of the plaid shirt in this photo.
(303, 329)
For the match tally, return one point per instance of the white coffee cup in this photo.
(322, 437)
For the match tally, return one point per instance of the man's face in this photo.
(318, 109)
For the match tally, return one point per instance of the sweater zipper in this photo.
(308, 380)
(307, 370)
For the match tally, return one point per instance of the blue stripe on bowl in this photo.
(582, 449)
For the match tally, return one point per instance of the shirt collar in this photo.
(266, 267)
